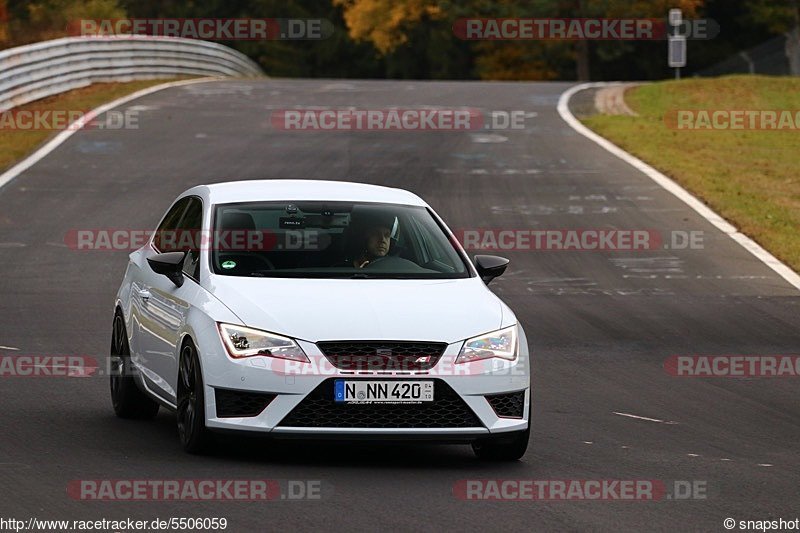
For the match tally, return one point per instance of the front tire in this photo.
(503, 447)
(195, 437)
(126, 397)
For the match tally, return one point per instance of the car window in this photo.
(332, 240)
(163, 240)
(189, 226)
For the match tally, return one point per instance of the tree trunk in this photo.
(582, 60)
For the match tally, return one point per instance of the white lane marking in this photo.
(59, 139)
(765, 464)
(488, 138)
(724, 459)
(588, 442)
(692, 455)
(12, 245)
(9, 348)
(142, 107)
(644, 418)
(682, 194)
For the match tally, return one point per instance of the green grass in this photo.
(15, 144)
(752, 178)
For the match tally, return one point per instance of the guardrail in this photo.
(46, 68)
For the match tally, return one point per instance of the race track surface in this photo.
(600, 324)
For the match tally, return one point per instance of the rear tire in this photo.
(195, 437)
(503, 447)
(126, 397)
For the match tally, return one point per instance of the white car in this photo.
(299, 308)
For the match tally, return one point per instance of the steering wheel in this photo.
(378, 260)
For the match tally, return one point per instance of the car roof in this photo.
(302, 190)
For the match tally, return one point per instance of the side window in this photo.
(189, 226)
(164, 239)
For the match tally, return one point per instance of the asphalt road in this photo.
(600, 324)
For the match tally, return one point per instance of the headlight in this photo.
(501, 343)
(247, 342)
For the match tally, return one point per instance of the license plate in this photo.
(345, 391)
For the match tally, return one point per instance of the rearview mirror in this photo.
(490, 266)
(169, 264)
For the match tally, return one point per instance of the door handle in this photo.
(144, 294)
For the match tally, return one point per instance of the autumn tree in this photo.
(39, 20)
(4, 37)
(387, 23)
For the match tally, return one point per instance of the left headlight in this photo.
(502, 344)
(247, 342)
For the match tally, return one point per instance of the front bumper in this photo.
(292, 383)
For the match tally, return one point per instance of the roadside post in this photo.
(676, 56)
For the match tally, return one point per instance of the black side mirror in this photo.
(490, 266)
(169, 264)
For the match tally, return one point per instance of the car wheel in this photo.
(194, 435)
(505, 447)
(126, 397)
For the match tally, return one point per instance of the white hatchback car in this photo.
(299, 308)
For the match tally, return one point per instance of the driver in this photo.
(369, 238)
(378, 240)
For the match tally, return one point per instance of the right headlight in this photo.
(502, 344)
(241, 342)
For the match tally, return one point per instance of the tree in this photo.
(48, 19)
(4, 36)
(387, 24)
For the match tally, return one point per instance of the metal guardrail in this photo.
(38, 70)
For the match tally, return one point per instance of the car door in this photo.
(165, 306)
(140, 274)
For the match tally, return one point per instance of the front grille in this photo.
(379, 355)
(318, 410)
(234, 403)
(511, 405)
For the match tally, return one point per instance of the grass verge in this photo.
(750, 177)
(16, 144)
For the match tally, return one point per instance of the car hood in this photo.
(346, 309)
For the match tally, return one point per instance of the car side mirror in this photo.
(490, 266)
(169, 264)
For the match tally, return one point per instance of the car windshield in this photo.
(332, 240)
